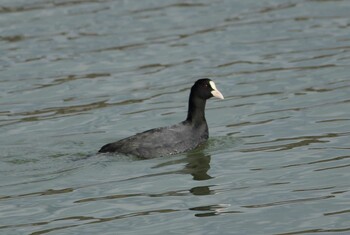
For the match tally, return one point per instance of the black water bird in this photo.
(173, 139)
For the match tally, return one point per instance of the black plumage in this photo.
(173, 139)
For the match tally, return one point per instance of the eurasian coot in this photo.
(173, 139)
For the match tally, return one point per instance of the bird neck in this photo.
(196, 107)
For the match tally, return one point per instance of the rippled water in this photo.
(76, 74)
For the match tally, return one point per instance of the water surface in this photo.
(78, 74)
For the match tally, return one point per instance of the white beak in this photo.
(216, 93)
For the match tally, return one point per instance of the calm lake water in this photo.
(75, 75)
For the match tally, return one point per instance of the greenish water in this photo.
(75, 75)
